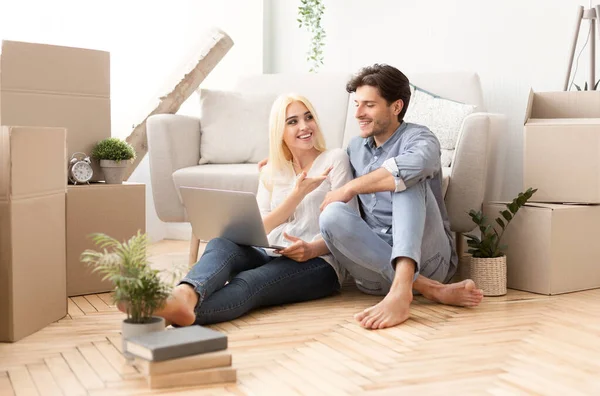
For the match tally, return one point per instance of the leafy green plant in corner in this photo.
(113, 149)
(488, 246)
(137, 285)
(310, 13)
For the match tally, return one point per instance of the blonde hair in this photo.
(280, 157)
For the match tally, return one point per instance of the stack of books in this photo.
(184, 356)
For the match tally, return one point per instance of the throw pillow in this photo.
(235, 127)
(443, 117)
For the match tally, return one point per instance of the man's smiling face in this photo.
(375, 117)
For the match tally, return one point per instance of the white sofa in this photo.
(174, 140)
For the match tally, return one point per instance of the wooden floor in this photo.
(517, 344)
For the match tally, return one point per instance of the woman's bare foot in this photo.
(462, 294)
(178, 308)
(391, 311)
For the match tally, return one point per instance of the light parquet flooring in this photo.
(517, 344)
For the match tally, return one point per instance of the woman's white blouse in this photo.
(304, 222)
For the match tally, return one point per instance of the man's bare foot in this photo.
(179, 307)
(391, 311)
(462, 294)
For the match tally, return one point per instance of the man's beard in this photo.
(380, 127)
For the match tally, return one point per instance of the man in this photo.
(402, 242)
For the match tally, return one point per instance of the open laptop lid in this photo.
(233, 215)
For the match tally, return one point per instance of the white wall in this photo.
(514, 45)
(148, 41)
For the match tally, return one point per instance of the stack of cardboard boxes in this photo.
(54, 101)
(552, 242)
(32, 229)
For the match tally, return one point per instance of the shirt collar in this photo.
(370, 141)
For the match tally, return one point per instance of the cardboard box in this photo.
(562, 146)
(32, 229)
(118, 210)
(49, 85)
(552, 248)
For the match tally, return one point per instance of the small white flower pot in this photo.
(129, 330)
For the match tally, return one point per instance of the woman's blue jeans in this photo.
(254, 280)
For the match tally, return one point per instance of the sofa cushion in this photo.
(234, 127)
(443, 117)
(463, 87)
(237, 177)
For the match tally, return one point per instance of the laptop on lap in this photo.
(233, 215)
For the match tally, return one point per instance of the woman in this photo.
(230, 280)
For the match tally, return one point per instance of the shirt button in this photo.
(373, 195)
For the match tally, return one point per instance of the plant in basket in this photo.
(488, 261)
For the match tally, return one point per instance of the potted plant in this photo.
(113, 154)
(138, 287)
(488, 261)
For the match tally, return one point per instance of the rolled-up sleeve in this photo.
(420, 160)
(391, 166)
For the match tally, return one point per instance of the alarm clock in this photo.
(80, 168)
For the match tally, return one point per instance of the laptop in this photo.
(233, 215)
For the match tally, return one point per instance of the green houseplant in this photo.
(488, 261)
(114, 155)
(138, 287)
(310, 13)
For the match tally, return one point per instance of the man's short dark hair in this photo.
(391, 83)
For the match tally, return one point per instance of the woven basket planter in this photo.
(489, 274)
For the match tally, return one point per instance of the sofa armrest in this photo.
(470, 167)
(173, 143)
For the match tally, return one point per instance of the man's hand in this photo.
(262, 163)
(306, 185)
(342, 194)
(299, 250)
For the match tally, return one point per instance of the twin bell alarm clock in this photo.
(80, 168)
